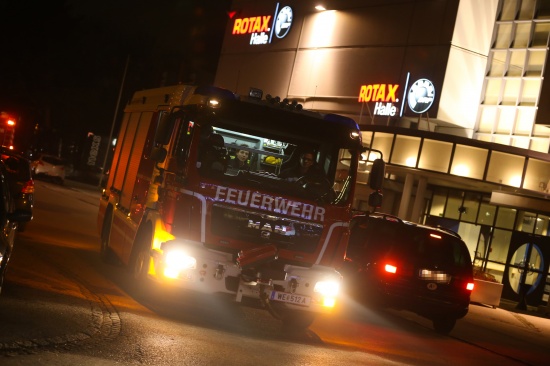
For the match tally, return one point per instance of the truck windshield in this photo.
(300, 166)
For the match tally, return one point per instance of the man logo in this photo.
(283, 22)
(421, 96)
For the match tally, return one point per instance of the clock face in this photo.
(421, 96)
(283, 22)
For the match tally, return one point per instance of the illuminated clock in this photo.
(421, 96)
(283, 22)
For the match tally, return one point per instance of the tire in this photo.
(105, 251)
(443, 325)
(139, 261)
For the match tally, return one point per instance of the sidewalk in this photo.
(542, 311)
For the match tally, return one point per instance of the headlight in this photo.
(177, 260)
(328, 291)
(327, 288)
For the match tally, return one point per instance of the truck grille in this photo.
(259, 228)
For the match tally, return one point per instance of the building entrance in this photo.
(526, 268)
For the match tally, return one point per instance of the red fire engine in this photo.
(176, 211)
(7, 130)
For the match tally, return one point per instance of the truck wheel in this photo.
(139, 261)
(443, 325)
(105, 252)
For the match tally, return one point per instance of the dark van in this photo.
(394, 263)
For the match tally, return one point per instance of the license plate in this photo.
(290, 298)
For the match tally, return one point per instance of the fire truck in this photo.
(176, 212)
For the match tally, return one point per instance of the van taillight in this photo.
(28, 187)
(390, 268)
(470, 286)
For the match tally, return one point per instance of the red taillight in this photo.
(28, 187)
(470, 286)
(390, 268)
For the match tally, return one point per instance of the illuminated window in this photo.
(530, 92)
(470, 207)
(438, 204)
(383, 142)
(506, 120)
(540, 35)
(454, 205)
(537, 176)
(511, 91)
(487, 119)
(535, 63)
(492, 91)
(499, 245)
(541, 226)
(405, 150)
(504, 35)
(435, 155)
(527, 9)
(501, 139)
(517, 63)
(521, 142)
(509, 10)
(523, 31)
(486, 214)
(506, 218)
(542, 145)
(469, 161)
(524, 121)
(498, 62)
(505, 168)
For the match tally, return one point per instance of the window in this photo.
(505, 168)
(540, 35)
(506, 218)
(469, 161)
(535, 63)
(523, 31)
(504, 35)
(498, 63)
(435, 155)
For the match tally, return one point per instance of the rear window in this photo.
(378, 238)
(19, 168)
(53, 160)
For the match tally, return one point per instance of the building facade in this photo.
(452, 94)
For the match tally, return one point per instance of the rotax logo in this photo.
(384, 96)
(262, 27)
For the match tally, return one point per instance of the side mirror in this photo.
(158, 154)
(377, 173)
(166, 126)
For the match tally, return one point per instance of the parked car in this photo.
(9, 218)
(49, 166)
(20, 181)
(399, 264)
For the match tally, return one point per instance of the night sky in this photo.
(63, 61)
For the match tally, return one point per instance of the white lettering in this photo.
(269, 203)
(382, 109)
(295, 209)
(307, 211)
(231, 193)
(319, 213)
(220, 191)
(255, 201)
(244, 202)
(259, 38)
